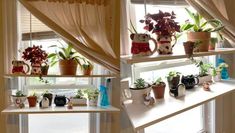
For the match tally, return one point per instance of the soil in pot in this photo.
(49, 96)
(32, 100)
(203, 39)
(188, 47)
(159, 90)
(68, 67)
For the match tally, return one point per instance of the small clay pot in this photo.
(188, 47)
(32, 100)
(49, 96)
(159, 90)
(87, 71)
(68, 67)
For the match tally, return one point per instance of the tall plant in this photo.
(199, 24)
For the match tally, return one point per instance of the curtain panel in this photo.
(215, 9)
(88, 26)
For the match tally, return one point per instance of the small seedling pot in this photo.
(32, 100)
(159, 90)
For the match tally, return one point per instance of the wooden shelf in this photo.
(131, 60)
(142, 116)
(62, 76)
(76, 109)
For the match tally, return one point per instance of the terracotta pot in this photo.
(202, 37)
(87, 71)
(49, 96)
(32, 100)
(188, 47)
(68, 67)
(159, 90)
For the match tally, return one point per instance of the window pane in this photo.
(59, 123)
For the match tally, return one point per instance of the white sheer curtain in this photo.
(87, 24)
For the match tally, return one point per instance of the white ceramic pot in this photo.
(137, 95)
(203, 79)
(93, 102)
(18, 100)
(217, 78)
(78, 102)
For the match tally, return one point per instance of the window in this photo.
(150, 71)
(34, 32)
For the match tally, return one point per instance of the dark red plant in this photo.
(162, 23)
(34, 54)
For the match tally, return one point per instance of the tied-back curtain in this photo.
(87, 24)
(215, 9)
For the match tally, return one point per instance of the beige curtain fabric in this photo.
(211, 9)
(88, 26)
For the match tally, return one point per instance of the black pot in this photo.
(49, 96)
(60, 100)
(189, 81)
(173, 83)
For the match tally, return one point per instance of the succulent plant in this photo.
(140, 83)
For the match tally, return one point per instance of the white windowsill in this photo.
(142, 116)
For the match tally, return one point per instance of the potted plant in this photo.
(87, 67)
(78, 99)
(49, 96)
(92, 95)
(188, 47)
(138, 90)
(199, 30)
(44, 68)
(204, 74)
(68, 59)
(158, 88)
(173, 79)
(36, 56)
(19, 99)
(216, 71)
(164, 26)
(213, 42)
(32, 100)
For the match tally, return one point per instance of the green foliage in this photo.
(159, 81)
(201, 25)
(19, 94)
(80, 94)
(203, 67)
(65, 53)
(172, 74)
(140, 83)
(87, 65)
(92, 94)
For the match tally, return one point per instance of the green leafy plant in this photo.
(19, 94)
(92, 94)
(219, 68)
(159, 81)
(172, 74)
(65, 53)
(199, 24)
(79, 95)
(140, 83)
(87, 65)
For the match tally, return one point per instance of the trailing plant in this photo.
(65, 53)
(140, 83)
(172, 74)
(199, 24)
(161, 23)
(204, 68)
(92, 94)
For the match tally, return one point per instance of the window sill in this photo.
(76, 109)
(142, 116)
(58, 76)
